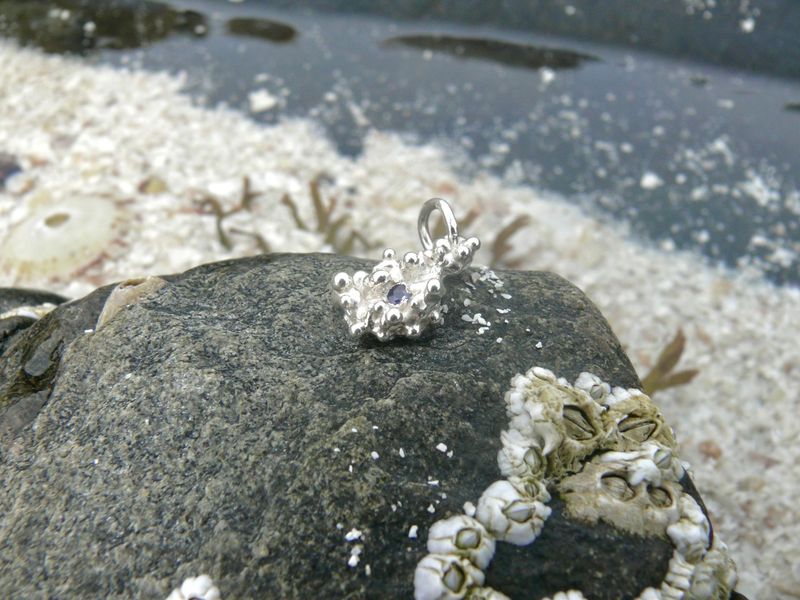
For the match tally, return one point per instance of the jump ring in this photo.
(424, 216)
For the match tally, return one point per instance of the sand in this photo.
(132, 151)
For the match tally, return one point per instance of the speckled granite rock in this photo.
(225, 423)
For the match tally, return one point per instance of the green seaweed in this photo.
(662, 376)
(212, 204)
(501, 246)
(333, 228)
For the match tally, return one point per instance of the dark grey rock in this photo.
(11, 298)
(118, 24)
(212, 426)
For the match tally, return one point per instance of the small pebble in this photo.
(353, 535)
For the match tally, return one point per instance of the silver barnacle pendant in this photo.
(402, 297)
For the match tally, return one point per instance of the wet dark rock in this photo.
(79, 26)
(507, 53)
(226, 424)
(11, 298)
(29, 358)
(263, 29)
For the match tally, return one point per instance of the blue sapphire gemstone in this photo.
(398, 294)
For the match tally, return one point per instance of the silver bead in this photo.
(380, 277)
(341, 281)
(394, 315)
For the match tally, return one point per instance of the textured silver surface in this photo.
(401, 297)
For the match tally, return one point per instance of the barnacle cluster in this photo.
(401, 297)
(609, 454)
(337, 231)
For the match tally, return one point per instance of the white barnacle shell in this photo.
(486, 593)
(509, 515)
(691, 534)
(593, 385)
(618, 394)
(531, 487)
(677, 581)
(445, 577)
(649, 594)
(196, 588)
(715, 575)
(545, 433)
(126, 293)
(627, 489)
(540, 434)
(634, 420)
(704, 583)
(462, 536)
(640, 469)
(519, 382)
(649, 464)
(568, 595)
(542, 373)
(515, 400)
(520, 456)
(562, 419)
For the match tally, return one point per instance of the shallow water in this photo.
(689, 134)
